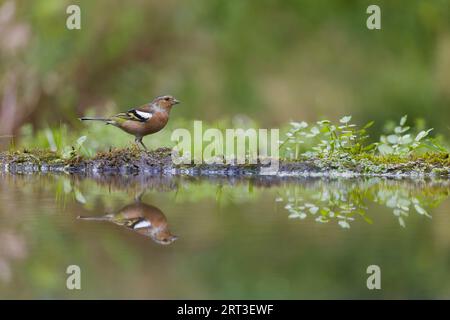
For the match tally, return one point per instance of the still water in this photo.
(156, 237)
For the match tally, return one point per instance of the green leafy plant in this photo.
(402, 141)
(73, 151)
(345, 140)
(327, 139)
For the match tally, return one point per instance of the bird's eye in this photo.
(167, 99)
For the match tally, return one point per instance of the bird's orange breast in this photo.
(156, 123)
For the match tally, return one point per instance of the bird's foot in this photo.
(139, 143)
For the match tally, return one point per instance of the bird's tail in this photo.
(106, 217)
(93, 119)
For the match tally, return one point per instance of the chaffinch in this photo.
(142, 218)
(144, 120)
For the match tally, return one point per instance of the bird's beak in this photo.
(175, 101)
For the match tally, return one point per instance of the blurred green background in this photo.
(271, 61)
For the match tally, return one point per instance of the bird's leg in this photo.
(136, 141)
(142, 143)
(138, 197)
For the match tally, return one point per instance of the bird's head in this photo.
(165, 102)
(165, 240)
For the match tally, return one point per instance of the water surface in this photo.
(144, 237)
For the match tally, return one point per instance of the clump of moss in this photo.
(121, 157)
(126, 154)
(441, 159)
(425, 163)
(160, 154)
(35, 156)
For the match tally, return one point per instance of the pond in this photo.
(222, 238)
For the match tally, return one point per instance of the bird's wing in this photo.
(135, 115)
(142, 223)
(134, 223)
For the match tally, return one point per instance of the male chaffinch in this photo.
(142, 218)
(144, 120)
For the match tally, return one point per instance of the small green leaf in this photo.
(369, 124)
(401, 129)
(403, 120)
(393, 139)
(406, 139)
(421, 210)
(81, 140)
(370, 147)
(344, 224)
(345, 119)
(79, 196)
(67, 186)
(422, 134)
(315, 131)
(299, 125)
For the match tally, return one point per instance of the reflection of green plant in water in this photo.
(327, 201)
(64, 188)
(401, 202)
(326, 204)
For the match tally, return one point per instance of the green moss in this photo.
(428, 158)
(370, 163)
(440, 171)
(119, 154)
(426, 162)
(33, 156)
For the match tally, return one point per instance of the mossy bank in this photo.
(159, 162)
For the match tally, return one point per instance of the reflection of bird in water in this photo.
(142, 218)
